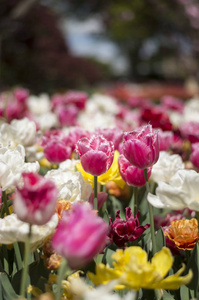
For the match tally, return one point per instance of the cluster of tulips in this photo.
(99, 198)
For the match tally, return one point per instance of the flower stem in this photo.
(26, 262)
(95, 193)
(60, 276)
(5, 199)
(135, 192)
(150, 215)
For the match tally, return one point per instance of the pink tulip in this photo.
(194, 158)
(35, 202)
(166, 139)
(111, 134)
(190, 131)
(130, 174)
(67, 114)
(21, 94)
(101, 199)
(173, 103)
(96, 154)
(141, 147)
(80, 235)
(56, 151)
(123, 231)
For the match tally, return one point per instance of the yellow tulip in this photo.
(112, 174)
(134, 271)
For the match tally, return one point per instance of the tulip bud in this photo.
(130, 174)
(141, 147)
(35, 202)
(96, 154)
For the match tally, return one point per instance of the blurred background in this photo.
(54, 45)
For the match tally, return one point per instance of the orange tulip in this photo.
(184, 233)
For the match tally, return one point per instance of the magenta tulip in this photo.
(80, 235)
(130, 174)
(122, 231)
(194, 158)
(111, 134)
(35, 202)
(141, 147)
(96, 154)
(190, 131)
(57, 151)
(166, 139)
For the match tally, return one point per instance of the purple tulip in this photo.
(80, 235)
(141, 147)
(122, 231)
(131, 174)
(36, 201)
(96, 154)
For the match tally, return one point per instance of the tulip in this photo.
(141, 147)
(190, 131)
(122, 231)
(56, 151)
(165, 139)
(112, 134)
(130, 174)
(80, 235)
(133, 270)
(194, 158)
(173, 103)
(36, 201)
(96, 154)
(184, 233)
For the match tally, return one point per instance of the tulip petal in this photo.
(175, 281)
(162, 261)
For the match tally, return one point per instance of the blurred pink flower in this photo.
(141, 146)
(131, 174)
(21, 94)
(67, 114)
(35, 202)
(96, 154)
(101, 199)
(123, 231)
(56, 151)
(111, 134)
(173, 103)
(80, 235)
(166, 139)
(57, 146)
(190, 131)
(194, 158)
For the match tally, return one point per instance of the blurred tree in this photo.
(34, 52)
(160, 37)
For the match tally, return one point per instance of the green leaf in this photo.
(193, 264)
(160, 239)
(107, 256)
(184, 292)
(167, 296)
(6, 290)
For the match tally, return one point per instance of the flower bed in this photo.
(99, 198)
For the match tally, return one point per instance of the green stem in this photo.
(5, 199)
(60, 276)
(95, 193)
(150, 214)
(18, 256)
(26, 262)
(135, 192)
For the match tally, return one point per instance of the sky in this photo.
(86, 38)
